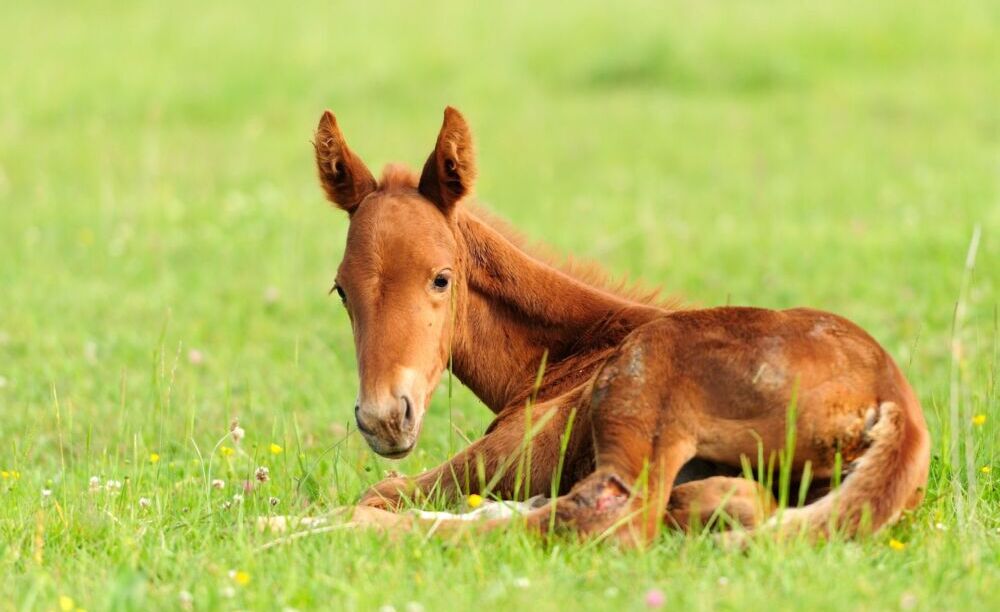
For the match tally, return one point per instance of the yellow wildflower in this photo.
(66, 603)
(86, 237)
(475, 501)
(275, 449)
(985, 469)
(227, 451)
(896, 544)
(979, 420)
(5, 474)
(241, 578)
(154, 457)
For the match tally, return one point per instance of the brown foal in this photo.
(667, 403)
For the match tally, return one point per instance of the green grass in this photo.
(157, 196)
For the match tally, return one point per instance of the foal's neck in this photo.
(517, 308)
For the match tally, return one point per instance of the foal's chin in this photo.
(391, 450)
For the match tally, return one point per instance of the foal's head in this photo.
(399, 274)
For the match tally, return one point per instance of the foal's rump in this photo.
(744, 372)
(741, 372)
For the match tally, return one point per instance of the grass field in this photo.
(165, 254)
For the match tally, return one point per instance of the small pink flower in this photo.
(655, 598)
(196, 357)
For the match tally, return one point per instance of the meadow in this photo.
(166, 253)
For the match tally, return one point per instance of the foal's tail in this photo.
(888, 478)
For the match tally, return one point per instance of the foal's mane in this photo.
(398, 176)
(587, 272)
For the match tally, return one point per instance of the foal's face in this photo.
(398, 275)
(396, 281)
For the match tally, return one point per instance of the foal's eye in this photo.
(340, 292)
(441, 281)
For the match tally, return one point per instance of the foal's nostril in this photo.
(407, 413)
(361, 424)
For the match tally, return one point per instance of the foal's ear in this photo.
(450, 171)
(344, 177)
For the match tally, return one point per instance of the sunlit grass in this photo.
(165, 254)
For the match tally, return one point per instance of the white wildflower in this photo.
(235, 431)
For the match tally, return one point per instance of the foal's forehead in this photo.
(398, 225)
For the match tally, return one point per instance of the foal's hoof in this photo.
(386, 495)
(737, 540)
(380, 503)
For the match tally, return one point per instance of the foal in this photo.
(667, 404)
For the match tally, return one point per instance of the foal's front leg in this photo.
(641, 441)
(498, 452)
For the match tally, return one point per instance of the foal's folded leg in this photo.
(641, 442)
(720, 499)
(491, 462)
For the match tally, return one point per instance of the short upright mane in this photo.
(399, 176)
(588, 273)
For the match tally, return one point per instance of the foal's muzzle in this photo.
(389, 428)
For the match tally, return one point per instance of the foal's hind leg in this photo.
(720, 500)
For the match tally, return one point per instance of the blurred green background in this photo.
(165, 254)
